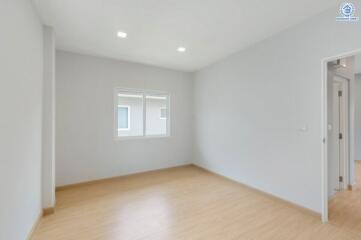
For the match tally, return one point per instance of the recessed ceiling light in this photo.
(181, 49)
(122, 34)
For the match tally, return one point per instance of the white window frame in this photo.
(144, 93)
(166, 113)
(128, 107)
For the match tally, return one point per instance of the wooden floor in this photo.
(345, 207)
(183, 203)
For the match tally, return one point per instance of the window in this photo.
(141, 114)
(129, 114)
(123, 117)
(163, 113)
(155, 125)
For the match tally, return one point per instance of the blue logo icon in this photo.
(347, 13)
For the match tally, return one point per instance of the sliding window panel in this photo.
(129, 114)
(157, 114)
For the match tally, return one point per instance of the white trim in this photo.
(157, 97)
(127, 138)
(166, 113)
(324, 136)
(128, 107)
(129, 95)
(168, 134)
(144, 114)
(144, 95)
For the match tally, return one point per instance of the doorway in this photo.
(338, 128)
(341, 141)
(338, 124)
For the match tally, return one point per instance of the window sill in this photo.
(140, 137)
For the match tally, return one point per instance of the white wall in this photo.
(21, 74)
(48, 154)
(86, 149)
(251, 106)
(358, 117)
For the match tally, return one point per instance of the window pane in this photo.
(156, 114)
(123, 115)
(130, 114)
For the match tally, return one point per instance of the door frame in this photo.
(324, 128)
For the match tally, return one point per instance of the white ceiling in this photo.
(209, 29)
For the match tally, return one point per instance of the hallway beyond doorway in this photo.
(345, 207)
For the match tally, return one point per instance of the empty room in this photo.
(180, 120)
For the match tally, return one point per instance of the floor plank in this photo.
(345, 207)
(176, 204)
